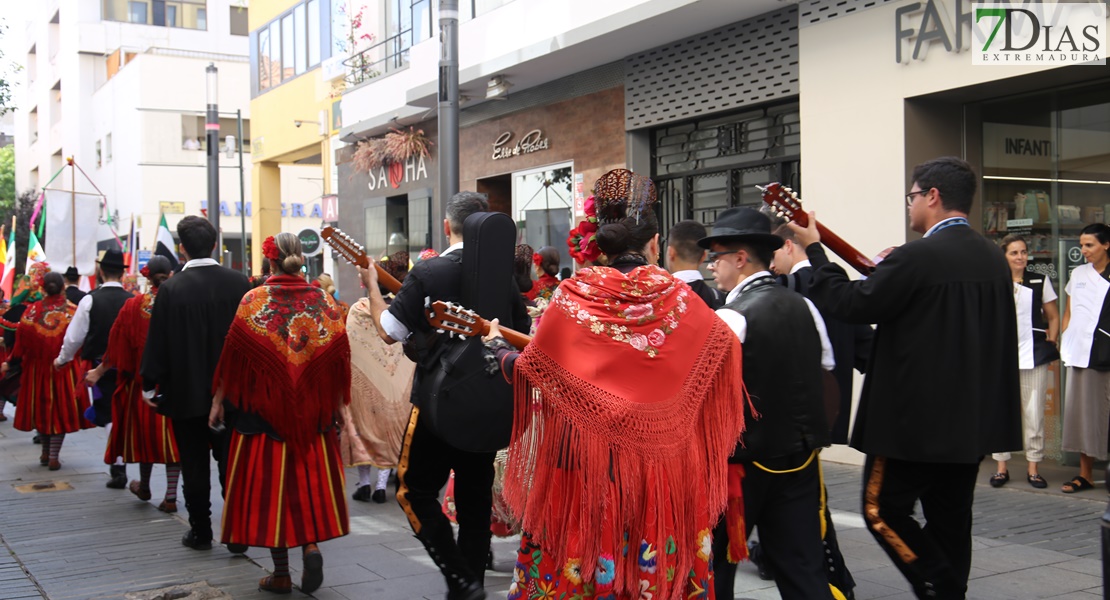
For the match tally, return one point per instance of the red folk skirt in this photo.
(51, 401)
(278, 497)
(138, 434)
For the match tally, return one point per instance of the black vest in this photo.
(1043, 352)
(782, 372)
(106, 304)
(711, 295)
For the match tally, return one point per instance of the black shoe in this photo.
(117, 477)
(755, 552)
(237, 548)
(379, 496)
(36, 439)
(362, 494)
(470, 591)
(192, 541)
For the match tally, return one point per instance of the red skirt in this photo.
(51, 401)
(281, 498)
(138, 434)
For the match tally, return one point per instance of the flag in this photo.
(34, 252)
(9, 266)
(129, 251)
(3, 256)
(165, 245)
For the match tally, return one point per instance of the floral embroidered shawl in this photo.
(287, 358)
(630, 394)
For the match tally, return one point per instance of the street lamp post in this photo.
(448, 99)
(212, 137)
(242, 196)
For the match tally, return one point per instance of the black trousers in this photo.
(786, 508)
(936, 558)
(196, 443)
(425, 466)
(106, 387)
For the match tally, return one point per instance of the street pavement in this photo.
(68, 537)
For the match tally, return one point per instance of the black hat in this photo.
(71, 273)
(111, 259)
(742, 224)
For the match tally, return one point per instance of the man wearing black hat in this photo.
(785, 349)
(88, 332)
(73, 293)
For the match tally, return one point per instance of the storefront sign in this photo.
(415, 169)
(331, 207)
(579, 195)
(172, 208)
(929, 23)
(311, 245)
(533, 141)
(297, 210)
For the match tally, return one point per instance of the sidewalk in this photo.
(92, 542)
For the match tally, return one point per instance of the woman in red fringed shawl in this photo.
(286, 365)
(628, 404)
(51, 401)
(138, 433)
(24, 293)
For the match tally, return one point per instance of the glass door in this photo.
(543, 208)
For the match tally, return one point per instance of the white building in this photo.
(120, 86)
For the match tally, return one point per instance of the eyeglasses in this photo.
(713, 257)
(909, 196)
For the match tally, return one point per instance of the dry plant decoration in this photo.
(395, 147)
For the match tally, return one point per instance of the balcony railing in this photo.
(386, 56)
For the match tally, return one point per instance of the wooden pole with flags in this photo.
(73, 208)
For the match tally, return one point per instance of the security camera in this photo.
(298, 123)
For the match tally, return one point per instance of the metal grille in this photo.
(811, 12)
(737, 65)
(587, 82)
(756, 135)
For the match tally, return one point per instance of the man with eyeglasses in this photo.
(785, 349)
(941, 389)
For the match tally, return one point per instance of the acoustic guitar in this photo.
(787, 205)
(446, 317)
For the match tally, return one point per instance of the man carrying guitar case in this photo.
(462, 415)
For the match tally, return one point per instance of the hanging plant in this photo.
(394, 148)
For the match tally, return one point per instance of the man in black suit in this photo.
(941, 389)
(187, 329)
(88, 332)
(73, 293)
(684, 256)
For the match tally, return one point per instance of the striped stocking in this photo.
(281, 561)
(173, 471)
(144, 475)
(56, 445)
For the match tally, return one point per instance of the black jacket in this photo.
(782, 373)
(851, 345)
(191, 316)
(106, 304)
(942, 382)
(74, 294)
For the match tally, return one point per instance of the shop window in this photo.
(239, 21)
(543, 207)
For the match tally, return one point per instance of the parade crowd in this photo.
(635, 426)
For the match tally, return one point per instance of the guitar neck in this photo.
(516, 338)
(845, 250)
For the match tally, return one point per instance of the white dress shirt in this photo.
(739, 323)
(688, 276)
(201, 262)
(394, 328)
(79, 327)
(801, 264)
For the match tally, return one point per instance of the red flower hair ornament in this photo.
(145, 271)
(582, 240)
(537, 259)
(270, 249)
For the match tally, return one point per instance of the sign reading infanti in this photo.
(1018, 33)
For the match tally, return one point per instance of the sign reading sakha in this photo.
(1014, 33)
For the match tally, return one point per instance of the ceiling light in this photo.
(497, 87)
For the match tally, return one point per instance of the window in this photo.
(193, 136)
(108, 148)
(239, 21)
(264, 59)
(98, 160)
(313, 32)
(136, 13)
(275, 53)
(299, 39)
(187, 14)
(288, 47)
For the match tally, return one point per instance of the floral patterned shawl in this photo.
(631, 385)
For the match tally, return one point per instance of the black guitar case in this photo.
(464, 405)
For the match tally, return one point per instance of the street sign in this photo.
(311, 244)
(172, 208)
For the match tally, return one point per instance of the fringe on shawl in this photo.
(574, 443)
(256, 379)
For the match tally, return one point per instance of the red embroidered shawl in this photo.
(632, 389)
(128, 336)
(43, 328)
(287, 358)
